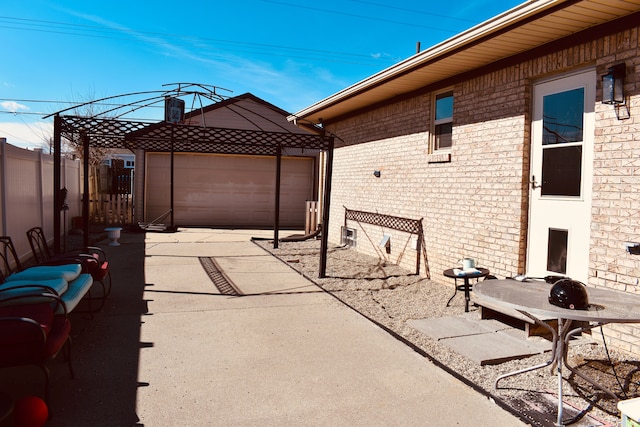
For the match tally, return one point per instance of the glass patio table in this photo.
(531, 299)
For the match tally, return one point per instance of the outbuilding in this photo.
(225, 189)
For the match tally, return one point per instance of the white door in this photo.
(561, 176)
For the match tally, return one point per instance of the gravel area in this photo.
(390, 296)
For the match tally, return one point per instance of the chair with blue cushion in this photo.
(93, 257)
(68, 281)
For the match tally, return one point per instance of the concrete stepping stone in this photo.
(486, 342)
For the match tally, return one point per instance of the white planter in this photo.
(113, 233)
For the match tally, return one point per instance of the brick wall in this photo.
(476, 204)
(468, 205)
(616, 184)
(401, 118)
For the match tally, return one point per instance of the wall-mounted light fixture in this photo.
(613, 85)
(376, 174)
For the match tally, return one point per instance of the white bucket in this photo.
(468, 263)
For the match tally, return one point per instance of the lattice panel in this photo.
(105, 133)
(394, 222)
(110, 133)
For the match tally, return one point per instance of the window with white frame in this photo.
(443, 121)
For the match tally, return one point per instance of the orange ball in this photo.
(30, 411)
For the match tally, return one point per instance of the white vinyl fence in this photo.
(26, 193)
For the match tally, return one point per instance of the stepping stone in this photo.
(486, 342)
(440, 328)
(491, 348)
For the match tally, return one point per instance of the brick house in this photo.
(504, 142)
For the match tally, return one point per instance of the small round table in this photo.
(455, 273)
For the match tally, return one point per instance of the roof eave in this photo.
(510, 17)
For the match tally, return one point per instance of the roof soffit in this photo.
(523, 28)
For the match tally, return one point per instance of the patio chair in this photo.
(32, 333)
(69, 280)
(95, 258)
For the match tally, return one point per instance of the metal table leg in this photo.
(559, 354)
(553, 359)
(455, 292)
(467, 296)
(576, 371)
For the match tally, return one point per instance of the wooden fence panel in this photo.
(111, 201)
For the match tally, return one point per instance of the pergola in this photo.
(178, 136)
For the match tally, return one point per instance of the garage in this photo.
(229, 191)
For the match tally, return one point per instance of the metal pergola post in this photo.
(57, 159)
(325, 210)
(85, 194)
(173, 141)
(276, 225)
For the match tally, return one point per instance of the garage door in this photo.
(228, 191)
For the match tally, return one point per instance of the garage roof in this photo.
(525, 27)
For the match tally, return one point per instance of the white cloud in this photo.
(13, 106)
(27, 135)
(385, 56)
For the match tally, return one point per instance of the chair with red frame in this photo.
(67, 278)
(32, 332)
(94, 258)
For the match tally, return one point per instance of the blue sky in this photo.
(289, 53)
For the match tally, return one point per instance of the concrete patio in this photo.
(170, 349)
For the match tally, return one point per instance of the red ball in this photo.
(30, 411)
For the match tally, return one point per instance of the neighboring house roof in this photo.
(517, 31)
(246, 112)
(118, 152)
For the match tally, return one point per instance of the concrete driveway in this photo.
(286, 353)
(170, 349)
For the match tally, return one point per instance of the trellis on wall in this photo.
(407, 225)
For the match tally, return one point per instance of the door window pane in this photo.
(562, 120)
(557, 251)
(561, 171)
